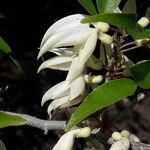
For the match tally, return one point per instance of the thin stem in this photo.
(45, 125)
(127, 44)
(128, 49)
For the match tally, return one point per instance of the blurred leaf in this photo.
(130, 6)
(107, 6)
(89, 6)
(141, 74)
(122, 20)
(16, 62)
(10, 120)
(105, 95)
(4, 47)
(2, 145)
(2, 16)
(148, 13)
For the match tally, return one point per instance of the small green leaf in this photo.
(89, 6)
(4, 47)
(107, 6)
(122, 20)
(141, 74)
(105, 95)
(10, 120)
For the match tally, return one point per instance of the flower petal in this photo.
(57, 103)
(77, 88)
(76, 38)
(54, 91)
(59, 63)
(64, 23)
(75, 70)
(55, 39)
(67, 140)
(89, 47)
(72, 102)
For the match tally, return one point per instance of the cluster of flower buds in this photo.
(73, 43)
(143, 23)
(121, 140)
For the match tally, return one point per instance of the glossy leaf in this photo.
(105, 95)
(89, 6)
(107, 6)
(141, 74)
(122, 20)
(4, 47)
(10, 120)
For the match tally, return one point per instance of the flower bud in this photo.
(125, 133)
(102, 26)
(143, 22)
(84, 132)
(141, 42)
(93, 79)
(105, 38)
(97, 79)
(116, 136)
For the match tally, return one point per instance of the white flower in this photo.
(123, 144)
(73, 43)
(121, 141)
(67, 140)
(68, 92)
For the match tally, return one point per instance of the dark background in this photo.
(23, 28)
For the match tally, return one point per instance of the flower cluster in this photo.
(121, 141)
(73, 43)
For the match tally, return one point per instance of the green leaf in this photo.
(141, 74)
(89, 6)
(107, 6)
(122, 20)
(105, 95)
(130, 6)
(4, 47)
(10, 120)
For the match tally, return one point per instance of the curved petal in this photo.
(63, 24)
(67, 140)
(77, 88)
(75, 70)
(56, 63)
(58, 88)
(89, 47)
(72, 102)
(75, 38)
(57, 38)
(57, 103)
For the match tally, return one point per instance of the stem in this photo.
(127, 44)
(45, 125)
(128, 49)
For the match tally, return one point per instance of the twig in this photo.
(140, 146)
(128, 49)
(45, 125)
(128, 44)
